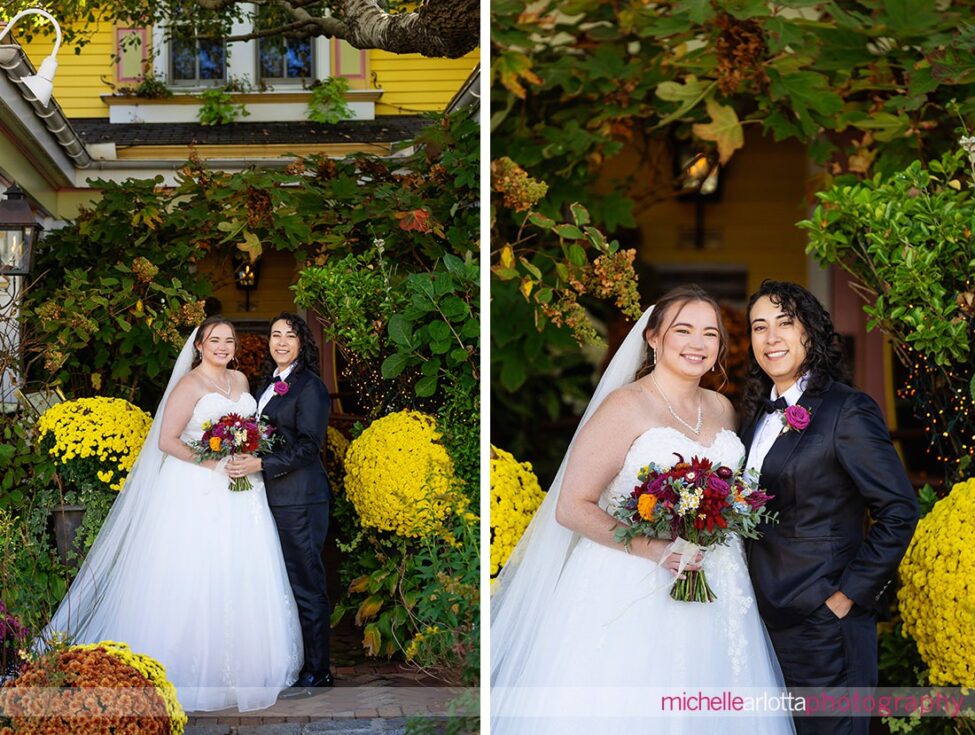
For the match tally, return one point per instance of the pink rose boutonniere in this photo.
(281, 388)
(797, 418)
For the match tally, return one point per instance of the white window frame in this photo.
(242, 61)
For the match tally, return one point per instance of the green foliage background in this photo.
(867, 85)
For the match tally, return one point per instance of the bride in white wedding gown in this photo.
(185, 570)
(584, 637)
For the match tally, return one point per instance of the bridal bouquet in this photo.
(696, 504)
(234, 434)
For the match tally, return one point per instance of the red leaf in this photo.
(417, 219)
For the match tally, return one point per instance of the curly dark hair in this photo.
(824, 358)
(203, 331)
(681, 296)
(307, 352)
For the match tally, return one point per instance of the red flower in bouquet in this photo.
(695, 501)
(234, 434)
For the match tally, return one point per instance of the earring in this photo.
(714, 368)
(654, 355)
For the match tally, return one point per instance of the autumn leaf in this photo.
(526, 287)
(251, 245)
(415, 220)
(507, 257)
(371, 639)
(724, 129)
(368, 609)
(514, 68)
(359, 584)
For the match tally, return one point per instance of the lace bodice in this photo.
(658, 445)
(211, 407)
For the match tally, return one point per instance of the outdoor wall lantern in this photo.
(698, 173)
(40, 84)
(18, 234)
(697, 180)
(246, 275)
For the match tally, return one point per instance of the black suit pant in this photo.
(824, 652)
(302, 530)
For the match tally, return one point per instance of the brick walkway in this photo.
(370, 696)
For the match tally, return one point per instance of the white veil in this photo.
(82, 610)
(527, 582)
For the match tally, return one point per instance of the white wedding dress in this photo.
(192, 574)
(611, 640)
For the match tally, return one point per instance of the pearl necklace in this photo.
(696, 429)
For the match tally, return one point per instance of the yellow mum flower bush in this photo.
(515, 496)
(937, 596)
(93, 441)
(399, 476)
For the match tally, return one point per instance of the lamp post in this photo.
(18, 234)
(41, 84)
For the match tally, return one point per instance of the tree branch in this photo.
(298, 28)
(439, 28)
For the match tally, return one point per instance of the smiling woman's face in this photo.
(692, 341)
(218, 345)
(283, 343)
(778, 341)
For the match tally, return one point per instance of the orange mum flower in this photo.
(215, 443)
(645, 506)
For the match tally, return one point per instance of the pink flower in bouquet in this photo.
(281, 388)
(797, 417)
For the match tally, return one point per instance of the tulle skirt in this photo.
(199, 583)
(613, 645)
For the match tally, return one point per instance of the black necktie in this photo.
(779, 404)
(277, 379)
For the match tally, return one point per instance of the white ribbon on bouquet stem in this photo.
(688, 553)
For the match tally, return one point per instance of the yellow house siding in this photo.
(413, 83)
(410, 83)
(78, 82)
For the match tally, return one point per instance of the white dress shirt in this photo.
(771, 425)
(268, 393)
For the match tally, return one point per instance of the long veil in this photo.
(528, 580)
(83, 608)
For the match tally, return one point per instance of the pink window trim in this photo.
(337, 63)
(119, 32)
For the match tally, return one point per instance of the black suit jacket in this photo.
(293, 471)
(823, 480)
